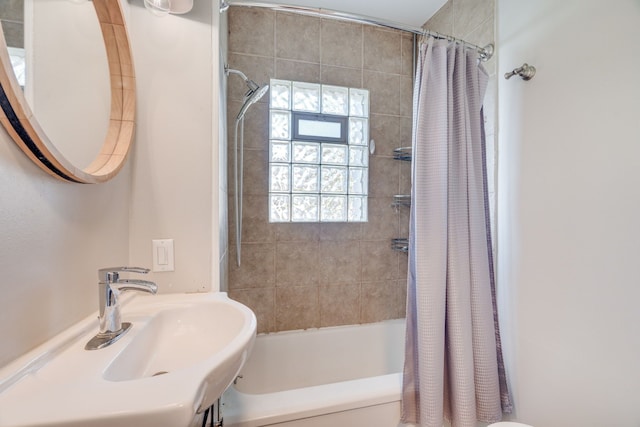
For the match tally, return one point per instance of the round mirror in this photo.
(71, 137)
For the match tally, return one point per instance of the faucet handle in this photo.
(110, 274)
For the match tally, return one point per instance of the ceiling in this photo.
(408, 12)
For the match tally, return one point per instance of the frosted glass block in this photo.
(305, 208)
(280, 94)
(18, 63)
(279, 178)
(333, 179)
(359, 102)
(312, 181)
(306, 97)
(334, 154)
(357, 209)
(306, 152)
(305, 179)
(280, 125)
(333, 208)
(335, 100)
(279, 151)
(358, 131)
(358, 178)
(358, 156)
(279, 208)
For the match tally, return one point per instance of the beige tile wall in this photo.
(311, 275)
(12, 17)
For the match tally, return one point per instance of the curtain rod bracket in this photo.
(487, 52)
(526, 72)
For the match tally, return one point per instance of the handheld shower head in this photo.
(252, 96)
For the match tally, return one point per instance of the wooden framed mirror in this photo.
(20, 122)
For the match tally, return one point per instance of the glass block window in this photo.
(17, 56)
(318, 153)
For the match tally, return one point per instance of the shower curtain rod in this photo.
(485, 52)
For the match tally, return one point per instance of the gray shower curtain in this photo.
(453, 360)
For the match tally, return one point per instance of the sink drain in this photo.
(159, 373)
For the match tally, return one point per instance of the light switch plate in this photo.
(163, 258)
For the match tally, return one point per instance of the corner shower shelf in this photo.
(400, 245)
(401, 200)
(402, 153)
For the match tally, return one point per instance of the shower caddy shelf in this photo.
(401, 200)
(402, 153)
(400, 245)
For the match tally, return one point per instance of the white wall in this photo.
(175, 179)
(55, 235)
(223, 209)
(568, 210)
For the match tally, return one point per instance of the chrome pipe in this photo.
(485, 52)
(252, 96)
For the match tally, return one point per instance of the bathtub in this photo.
(337, 376)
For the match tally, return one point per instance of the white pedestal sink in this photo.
(181, 353)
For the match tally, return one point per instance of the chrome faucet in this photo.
(109, 286)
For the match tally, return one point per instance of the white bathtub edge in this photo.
(246, 410)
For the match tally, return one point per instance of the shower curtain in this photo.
(453, 358)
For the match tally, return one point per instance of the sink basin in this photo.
(176, 339)
(181, 353)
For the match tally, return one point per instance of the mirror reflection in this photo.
(68, 85)
(60, 60)
(12, 18)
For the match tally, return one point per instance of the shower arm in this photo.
(228, 71)
(253, 86)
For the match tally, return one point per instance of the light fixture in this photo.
(181, 6)
(158, 7)
(165, 7)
